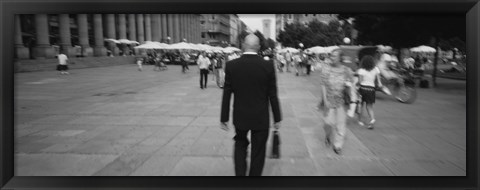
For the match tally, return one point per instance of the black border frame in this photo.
(8, 8)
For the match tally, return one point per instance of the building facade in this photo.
(234, 29)
(266, 25)
(283, 19)
(215, 29)
(325, 18)
(44, 35)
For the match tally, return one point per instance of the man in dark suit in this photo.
(253, 82)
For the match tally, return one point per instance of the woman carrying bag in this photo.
(336, 83)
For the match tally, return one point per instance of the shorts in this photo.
(367, 93)
(62, 67)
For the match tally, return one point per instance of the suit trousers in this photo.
(336, 121)
(258, 150)
(203, 78)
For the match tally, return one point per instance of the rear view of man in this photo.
(253, 82)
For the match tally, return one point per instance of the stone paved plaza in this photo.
(117, 121)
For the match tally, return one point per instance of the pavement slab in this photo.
(116, 121)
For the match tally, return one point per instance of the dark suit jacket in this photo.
(253, 82)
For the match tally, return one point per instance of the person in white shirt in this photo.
(139, 63)
(409, 63)
(203, 63)
(368, 75)
(63, 64)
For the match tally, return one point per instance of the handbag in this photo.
(275, 145)
(346, 95)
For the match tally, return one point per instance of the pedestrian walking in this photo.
(311, 60)
(298, 63)
(62, 64)
(368, 76)
(218, 68)
(253, 83)
(203, 64)
(289, 60)
(211, 67)
(281, 62)
(139, 63)
(336, 80)
(158, 60)
(184, 58)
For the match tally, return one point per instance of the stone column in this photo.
(82, 21)
(156, 30)
(183, 30)
(111, 33)
(132, 35)
(21, 52)
(177, 29)
(122, 33)
(99, 49)
(170, 27)
(165, 26)
(43, 49)
(122, 27)
(197, 28)
(191, 28)
(140, 29)
(186, 28)
(148, 28)
(65, 36)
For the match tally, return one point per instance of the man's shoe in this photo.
(337, 151)
(327, 142)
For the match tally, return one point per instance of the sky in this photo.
(254, 22)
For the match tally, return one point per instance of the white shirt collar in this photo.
(249, 53)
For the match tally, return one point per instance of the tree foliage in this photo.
(315, 33)
(402, 31)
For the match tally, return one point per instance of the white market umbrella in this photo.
(423, 49)
(182, 46)
(126, 41)
(149, 46)
(216, 49)
(112, 40)
(329, 49)
(383, 48)
(292, 50)
(317, 50)
(231, 49)
(203, 47)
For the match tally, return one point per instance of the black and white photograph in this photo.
(240, 94)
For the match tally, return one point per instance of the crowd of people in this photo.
(348, 91)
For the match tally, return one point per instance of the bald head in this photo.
(251, 43)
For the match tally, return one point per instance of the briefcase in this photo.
(275, 145)
(424, 83)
